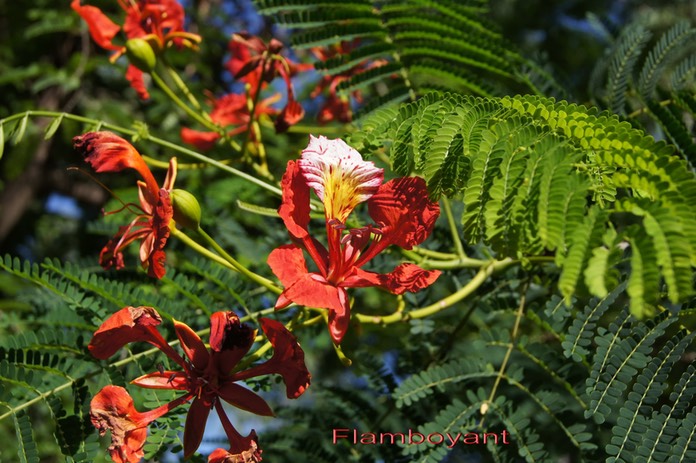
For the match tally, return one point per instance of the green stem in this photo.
(239, 267)
(465, 291)
(453, 228)
(508, 353)
(435, 254)
(183, 87)
(313, 129)
(146, 136)
(465, 262)
(187, 109)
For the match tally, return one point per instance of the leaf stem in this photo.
(145, 136)
(465, 291)
(453, 228)
(508, 353)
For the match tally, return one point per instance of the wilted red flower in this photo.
(256, 63)
(107, 152)
(403, 215)
(112, 410)
(337, 107)
(231, 112)
(161, 22)
(208, 375)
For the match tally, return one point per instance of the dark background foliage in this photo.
(47, 61)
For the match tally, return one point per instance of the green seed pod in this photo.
(187, 211)
(140, 54)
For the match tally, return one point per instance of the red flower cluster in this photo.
(161, 22)
(207, 376)
(400, 208)
(337, 107)
(107, 152)
(232, 112)
(257, 64)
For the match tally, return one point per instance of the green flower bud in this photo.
(140, 54)
(187, 211)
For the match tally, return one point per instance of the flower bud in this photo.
(140, 54)
(187, 211)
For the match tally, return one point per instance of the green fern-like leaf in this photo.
(651, 382)
(613, 372)
(623, 60)
(422, 45)
(660, 55)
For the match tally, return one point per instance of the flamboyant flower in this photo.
(338, 107)
(160, 22)
(107, 152)
(206, 376)
(112, 409)
(257, 64)
(231, 112)
(402, 213)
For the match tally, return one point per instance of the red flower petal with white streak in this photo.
(338, 175)
(405, 214)
(101, 28)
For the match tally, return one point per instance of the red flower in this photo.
(337, 106)
(206, 376)
(112, 410)
(256, 63)
(230, 111)
(161, 22)
(403, 214)
(107, 152)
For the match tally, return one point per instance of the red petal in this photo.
(287, 262)
(101, 28)
(405, 277)
(193, 346)
(244, 399)
(406, 216)
(249, 455)
(107, 152)
(291, 115)
(162, 216)
(294, 209)
(195, 426)
(288, 358)
(230, 340)
(164, 380)
(130, 324)
(112, 409)
(135, 77)
(203, 141)
(339, 318)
